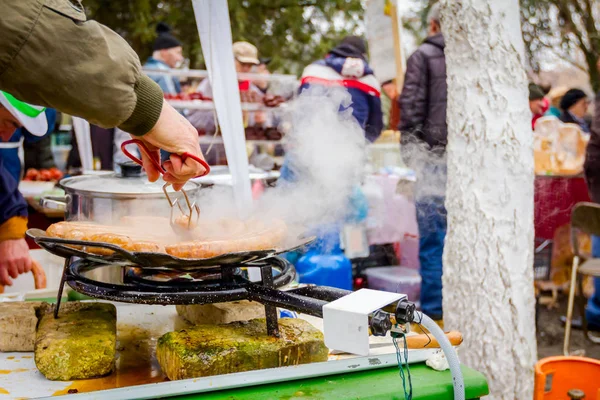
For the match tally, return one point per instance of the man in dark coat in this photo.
(424, 137)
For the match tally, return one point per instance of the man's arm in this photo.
(14, 252)
(13, 207)
(413, 99)
(51, 56)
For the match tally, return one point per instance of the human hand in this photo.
(172, 133)
(14, 260)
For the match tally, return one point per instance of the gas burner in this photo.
(129, 283)
(191, 278)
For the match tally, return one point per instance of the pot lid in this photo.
(220, 175)
(117, 184)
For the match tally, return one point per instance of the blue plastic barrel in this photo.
(325, 264)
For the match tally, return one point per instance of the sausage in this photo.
(39, 276)
(145, 247)
(264, 240)
(202, 249)
(63, 229)
(110, 238)
(211, 238)
(183, 221)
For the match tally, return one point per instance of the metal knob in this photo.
(576, 394)
(405, 311)
(130, 169)
(380, 323)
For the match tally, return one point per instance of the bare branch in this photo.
(561, 56)
(564, 9)
(570, 61)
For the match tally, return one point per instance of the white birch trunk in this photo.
(488, 267)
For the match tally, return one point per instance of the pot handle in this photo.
(54, 202)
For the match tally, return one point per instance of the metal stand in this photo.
(266, 273)
(61, 287)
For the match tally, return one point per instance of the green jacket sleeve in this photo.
(52, 56)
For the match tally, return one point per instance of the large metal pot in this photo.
(107, 197)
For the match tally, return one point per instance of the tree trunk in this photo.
(488, 265)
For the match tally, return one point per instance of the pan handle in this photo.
(54, 202)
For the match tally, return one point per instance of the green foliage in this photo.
(292, 32)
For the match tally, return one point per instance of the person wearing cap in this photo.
(245, 58)
(14, 251)
(25, 148)
(94, 75)
(167, 53)
(574, 106)
(346, 66)
(263, 69)
(538, 104)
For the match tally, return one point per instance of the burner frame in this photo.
(232, 286)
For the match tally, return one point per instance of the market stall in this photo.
(559, 183)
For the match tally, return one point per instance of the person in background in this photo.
(167, 53)
(591, 168)
(103, 142)
(574, 106)
(245, 57)
(263, 69)
(38, 154)
(14, 251)
(423, 130)
(388, 88)
(12, 150)
(346, 65)
(555, 95)
(538, 104)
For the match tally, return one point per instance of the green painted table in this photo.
(384, 383)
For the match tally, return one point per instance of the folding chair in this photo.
(585, 218)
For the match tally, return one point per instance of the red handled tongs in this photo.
(192, 207)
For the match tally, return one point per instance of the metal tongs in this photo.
(192, 207)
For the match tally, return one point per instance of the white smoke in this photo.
(325, 147)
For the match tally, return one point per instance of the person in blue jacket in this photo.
(9, 150)
(346, 65)
(14, 252)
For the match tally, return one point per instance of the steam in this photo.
(325, 148)
(429, 166)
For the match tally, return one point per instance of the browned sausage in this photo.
(118, 240)
(145, 247)
(39, 276)
(267, 239)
